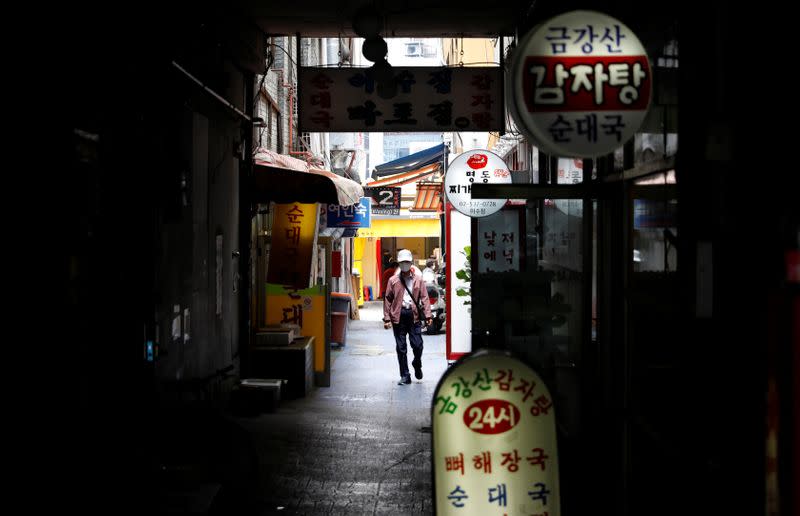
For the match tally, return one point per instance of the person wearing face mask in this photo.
(405, 306)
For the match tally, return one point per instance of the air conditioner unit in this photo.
(413, 49)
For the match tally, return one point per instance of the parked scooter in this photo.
(436, 299)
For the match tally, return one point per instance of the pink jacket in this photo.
(393, 299)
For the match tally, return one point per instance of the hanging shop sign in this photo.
(469, 167)
(294, 233)
(385, 201)
(426, 99)
(494, 439)
(580, 84)
(354, 216)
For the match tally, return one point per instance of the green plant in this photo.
(465, 275)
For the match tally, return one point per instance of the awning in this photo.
(412, 161)
(429, 197)
(282, 179)
(407, 177)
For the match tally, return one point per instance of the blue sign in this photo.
(354, 216)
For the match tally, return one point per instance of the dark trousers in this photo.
(414, 332)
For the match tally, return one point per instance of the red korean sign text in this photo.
(491, 416)
(494, 439)
(581, 84)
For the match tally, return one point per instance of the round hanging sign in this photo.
(468, 168)
(580, 84)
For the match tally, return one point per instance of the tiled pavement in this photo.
(361, 446)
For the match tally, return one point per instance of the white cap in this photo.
(404, 256)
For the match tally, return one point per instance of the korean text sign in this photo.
(353, 216)
(306, 308)
(581, 84)
(385, 201)
(481, 166)
(494, 439)
(499, 238)
(427, 99)
(294, 231)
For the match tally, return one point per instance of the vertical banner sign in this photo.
(294, 231)
(385, 201)
(354, 216)
(499, 242)
(427, 99)
(458, 299)
(480, 166)
(494, 439)
(580, 84)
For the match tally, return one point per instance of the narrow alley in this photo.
(361, 446)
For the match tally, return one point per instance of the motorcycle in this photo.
(436, 299)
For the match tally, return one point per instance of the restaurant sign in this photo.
(294, 233)
(494, 439)
(427, 99)
(476, 166)
(580, 84)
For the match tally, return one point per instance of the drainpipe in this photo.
(290, 87)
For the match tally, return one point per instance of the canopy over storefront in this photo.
(282, 179)
(407, 177)
(411, 162)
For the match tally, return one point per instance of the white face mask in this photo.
(405, 266)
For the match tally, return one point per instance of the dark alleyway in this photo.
(360, 446)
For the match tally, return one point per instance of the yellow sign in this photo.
(293, 232)
(402, 228)
(305, 308)
(494, 439)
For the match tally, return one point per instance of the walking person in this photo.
(405, 306)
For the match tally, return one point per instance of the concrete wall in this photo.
(198, 309)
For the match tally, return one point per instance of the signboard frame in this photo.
(437, 98)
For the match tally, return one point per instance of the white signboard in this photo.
(427, 99)
(494, 439)
(459, 317)
(475, 166)
(499, 242)
(580, 84)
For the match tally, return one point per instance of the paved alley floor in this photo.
(361, 446)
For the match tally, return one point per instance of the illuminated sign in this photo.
(581, 84)
(494, 439)
(427, 99)
(476, 166)
(294, 230)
